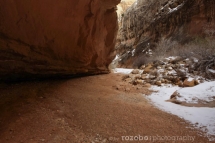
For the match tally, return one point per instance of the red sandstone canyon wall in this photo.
(44, 38)
(148, 21)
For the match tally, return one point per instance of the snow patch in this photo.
(204, 92)
(201, 118)
(122, 70)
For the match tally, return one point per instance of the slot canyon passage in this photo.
(58, 84)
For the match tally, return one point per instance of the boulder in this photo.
(189, 82)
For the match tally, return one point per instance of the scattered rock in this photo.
(171, 71)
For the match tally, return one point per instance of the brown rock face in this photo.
(56, 38)
(147, 21)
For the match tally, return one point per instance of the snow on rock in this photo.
(211, 70)
(171, 58)
(202, 118)
(176, 8)
(133, 52)
(190, 79)
(116, 58)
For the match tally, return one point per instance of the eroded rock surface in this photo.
(56, 38)
(147, 21)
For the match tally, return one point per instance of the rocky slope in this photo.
(56, 38)
(147, 21)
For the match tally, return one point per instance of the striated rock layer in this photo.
(147, 21)
(56, 38)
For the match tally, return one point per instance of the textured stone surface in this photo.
(122, 7)
(56, 38)
(147, 21)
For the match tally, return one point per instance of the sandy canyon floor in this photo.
(90, 109)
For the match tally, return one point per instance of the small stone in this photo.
(152, 77)
(169, 68)
(163, 80)
(140, 81)
(135, 71)
(159, 83)
(175, 95)
(142, 67)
